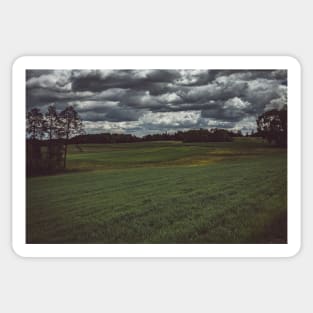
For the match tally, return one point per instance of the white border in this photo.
(156, 250)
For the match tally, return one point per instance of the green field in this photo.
(163, 192)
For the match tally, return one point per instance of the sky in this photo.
(144, 102)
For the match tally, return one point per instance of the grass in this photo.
(163, 192)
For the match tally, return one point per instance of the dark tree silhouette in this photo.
(272, 125)
(47, 138)
(35, 128)
(52, 123)
(71, 125)
(35, 124)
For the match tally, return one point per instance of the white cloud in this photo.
(247, 124)
(236, 103)
(176, 119)
(93, 105)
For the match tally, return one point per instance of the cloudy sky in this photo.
(152, 101)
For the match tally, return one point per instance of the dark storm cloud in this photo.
(98, 80)
(38, 96)
(144, 101)
(37, 73)
(110, 114)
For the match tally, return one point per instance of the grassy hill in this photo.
(163, 192)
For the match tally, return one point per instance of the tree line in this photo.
(48, 135)
(194, 135)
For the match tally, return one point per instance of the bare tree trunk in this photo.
(65, 153)
(29, 154)
(65, 150)
(50, 139)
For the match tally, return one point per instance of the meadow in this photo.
(163, 192)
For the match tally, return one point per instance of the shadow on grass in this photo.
(60, 172)
(274, 233)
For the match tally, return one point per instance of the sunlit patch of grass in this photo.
(161, 154)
